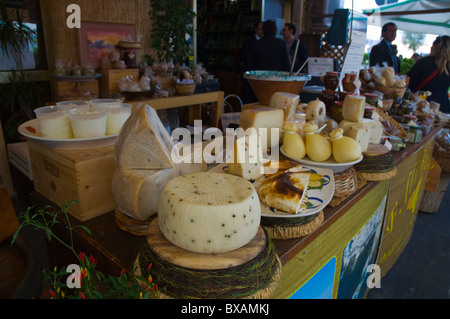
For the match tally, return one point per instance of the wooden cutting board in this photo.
(183, 258)
(376, 150)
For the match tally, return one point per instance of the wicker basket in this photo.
(390, 92)
(345, 183)
(385, 117)
(443, 159)
(185, 89)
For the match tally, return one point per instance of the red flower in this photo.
(149, 266)
(155, 286)
(83, 273)
(92, 259)
(82, 295)
(122, 272)
(81, 256)
(52, 294)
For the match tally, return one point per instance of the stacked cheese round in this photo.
(209, 212)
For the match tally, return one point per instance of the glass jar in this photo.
(342, 95)
(347, 82)
(336, 111)
(414, 134)
(368, 111)
(331, 81)
(398, 144)
(408, 118)
(328, 98)
(372, 99)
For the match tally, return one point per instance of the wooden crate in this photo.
(108, 81)
(431, 201)
(76, 90)
(83, 176)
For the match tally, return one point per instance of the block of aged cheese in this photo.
(247, 157)
(144, 143)
(285, 101)
(375, 127)
(353, 108)
(316, 111)
(268, 121)
(361, 134)
(136, 192)
(209, 212)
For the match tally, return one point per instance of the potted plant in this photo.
(19, 96)
(92, 283)
(171, 21)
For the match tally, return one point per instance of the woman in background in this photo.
(432, 73)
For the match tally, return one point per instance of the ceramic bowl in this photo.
(266, 83)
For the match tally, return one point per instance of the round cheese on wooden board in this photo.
(209, 212)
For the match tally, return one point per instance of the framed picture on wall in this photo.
(98, 40)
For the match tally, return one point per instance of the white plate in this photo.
(330, 163)
(318, 198)
(30, 130)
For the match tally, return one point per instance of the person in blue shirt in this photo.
(432, 73)
(385, 52)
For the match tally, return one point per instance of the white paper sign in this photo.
(355, 54)
(320, 66)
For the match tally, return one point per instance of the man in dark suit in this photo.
(385, 51)
(247, 46)
(269, 53)
(288, 34)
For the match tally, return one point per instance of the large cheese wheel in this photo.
(209, 212)
(268, 121)
(137, 192)
(144, 143)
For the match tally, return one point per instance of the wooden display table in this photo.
(370, 227)
(193, 101)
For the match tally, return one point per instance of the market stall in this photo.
(300, 199)
(325, 249)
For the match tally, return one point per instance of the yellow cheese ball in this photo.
(345, 149)
(293, 145)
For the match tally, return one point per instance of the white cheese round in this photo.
(209, 212)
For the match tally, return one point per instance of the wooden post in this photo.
(5, 173)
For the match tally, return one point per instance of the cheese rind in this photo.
(268, 121)
(144, 143)
(247, 157)
(285, 101)
(353, 108)
(137, 192)
(209, 212)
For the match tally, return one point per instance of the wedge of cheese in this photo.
(268, 121)
(288, 102)
(209, 212)
(353, 108)
(247, 157)
(144, 143)
(137, 192)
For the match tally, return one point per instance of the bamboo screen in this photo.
(63, 43)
